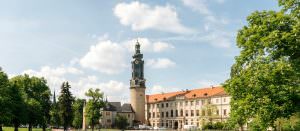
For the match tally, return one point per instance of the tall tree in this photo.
(5, 111)
(78, 113)
(37, 99)
(264, 81)
(93, 107)
(65, 102)
(17, 102)
(54, 113)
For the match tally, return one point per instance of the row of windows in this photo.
(186, 103)
(177, 113)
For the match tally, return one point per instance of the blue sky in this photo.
(187, 44)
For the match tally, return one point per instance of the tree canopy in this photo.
(94, 104)
(265, 78)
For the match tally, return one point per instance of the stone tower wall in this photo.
(137, 100)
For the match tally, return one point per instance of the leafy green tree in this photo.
(94, 104)
(17, 104)
(54, 113)
(37, 99)
(5, 111)
(121, 122)
(264, 81)
(65, 102)
(78, 113)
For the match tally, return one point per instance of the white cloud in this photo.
(161, 46)
(106, 57)
(156, 89)
(141, 16)
(198, 5)
(113, 90)
(160, 63)
(54, 76)
(148, 46)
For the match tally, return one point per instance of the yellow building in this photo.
(190, 107)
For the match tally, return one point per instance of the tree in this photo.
(54, 113)
(17, 104)
(264, 82)
(36, 95)
(78, 113)
(5, 111)
(93, 106)
(65, 102)
(121, 122)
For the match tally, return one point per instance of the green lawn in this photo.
(22, 129)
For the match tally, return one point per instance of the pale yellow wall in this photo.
(219, 103)
(137, 100)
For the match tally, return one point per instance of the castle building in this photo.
(173, 110)
(190, 107)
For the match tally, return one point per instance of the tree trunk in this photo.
(0, 127)
(16, 126)
(65, 128)
(92, 126)
(44, 127)
(30, 127)
(241, 128)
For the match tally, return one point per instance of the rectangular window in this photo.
(217, 100)
(162, 114)
(157, 105)
(192, 103)
(197, 102)
(167, 114)
(171, 113)
(202, 102)
(167, 104)
(181, 103)
(108, 121)
(181, 112)
(203, 112)
(129, 115)
(176, 113)
(162, 105)
(217, 112)
(186, 113)
(153, 114)
(225, 112)
(186, 103)
(224, 99)
(192, 112)
(107, 113)
(157, 114)
(197, 112)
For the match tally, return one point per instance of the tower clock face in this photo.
(136, 62)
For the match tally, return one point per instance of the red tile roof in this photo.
(188, 94)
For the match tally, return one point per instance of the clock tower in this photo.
(137, 85)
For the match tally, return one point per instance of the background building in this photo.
(190, 107)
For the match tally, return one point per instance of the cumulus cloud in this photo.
(160, 63)
(156, 89)
(148, 45)
(141, 16)
(198, 5)
(54, 76)
(106, 57)
(113, 90)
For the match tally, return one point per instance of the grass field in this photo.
(40, 129)
(22, 129)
